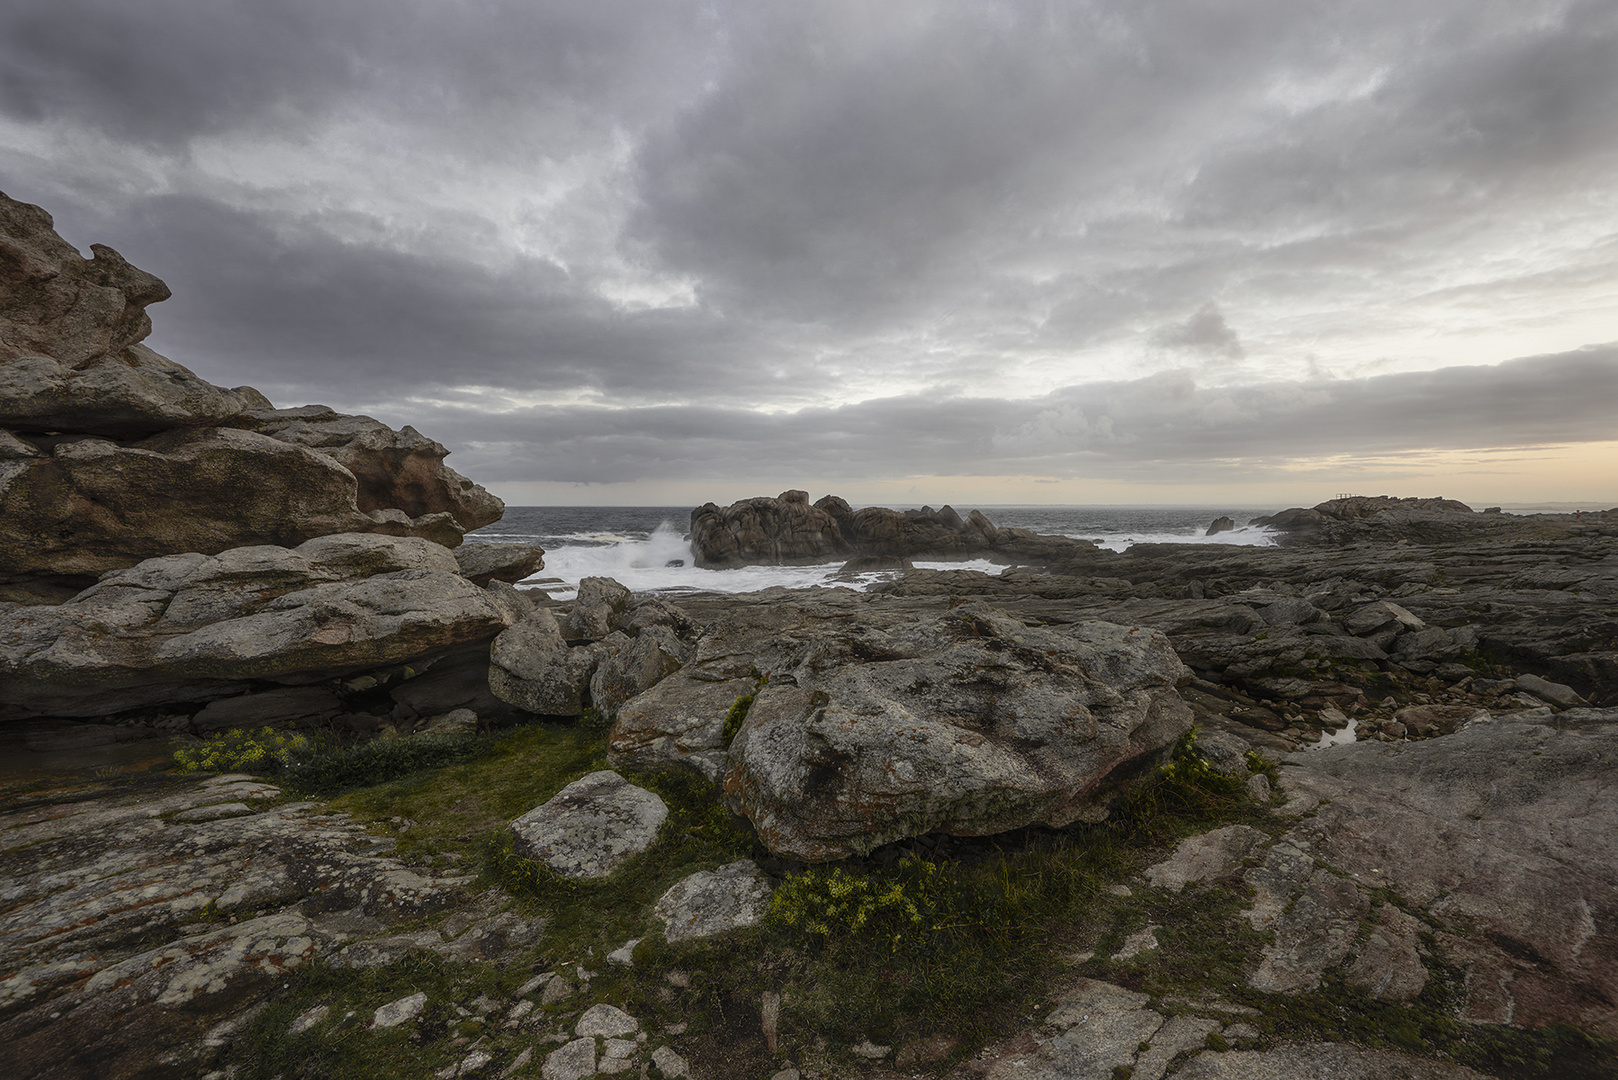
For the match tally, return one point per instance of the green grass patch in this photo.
(342, 1046)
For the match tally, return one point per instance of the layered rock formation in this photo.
(166, 543)
(111, 453)
(192, 627)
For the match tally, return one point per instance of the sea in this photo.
(646, 547)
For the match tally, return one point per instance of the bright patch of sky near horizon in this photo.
(1254, 246)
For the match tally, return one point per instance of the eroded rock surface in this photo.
(130, 922)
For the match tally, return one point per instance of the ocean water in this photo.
(644, 547)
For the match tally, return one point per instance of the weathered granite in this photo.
(590, 827)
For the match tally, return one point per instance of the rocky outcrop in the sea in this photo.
(788, 530)
(1383, 518)
(111, 453)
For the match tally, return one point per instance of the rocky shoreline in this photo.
(499, 835)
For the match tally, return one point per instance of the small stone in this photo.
(574, 1061)
(624, 954)
(395, 1013)
(1137, 943)
(556, 990)
(308, 1019)
(865, 1048)
(608, 1021)
(520, 1010)
(669, 1063)
(466, 1066)
(518, 1063)
(535, 983)
(1120, 890)
(1258, 789)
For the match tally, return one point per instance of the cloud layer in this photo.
(630, 240)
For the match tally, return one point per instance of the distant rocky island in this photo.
(179, 559)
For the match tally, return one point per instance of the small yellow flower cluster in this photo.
(822, 904)
(237, 750)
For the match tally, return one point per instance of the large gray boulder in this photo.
(970, 723)
(482, 562)
(679, 723)
(194, 627)
(532, 667)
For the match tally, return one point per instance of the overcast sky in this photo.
(652, 251)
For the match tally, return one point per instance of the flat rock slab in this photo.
(713, 902)
(1320, 1061)
(1505, 832)
(591, 826)
(1206, 857)
(118, 911)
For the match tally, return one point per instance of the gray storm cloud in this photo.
(599, 241)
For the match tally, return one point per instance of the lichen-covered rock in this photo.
(680, 722)
(119, 907)
(532, 667)
(713, 902)
(970, 723)
(194, 627)
(591, 826)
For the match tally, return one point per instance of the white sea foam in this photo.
(1241, 536)
(662, 562)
